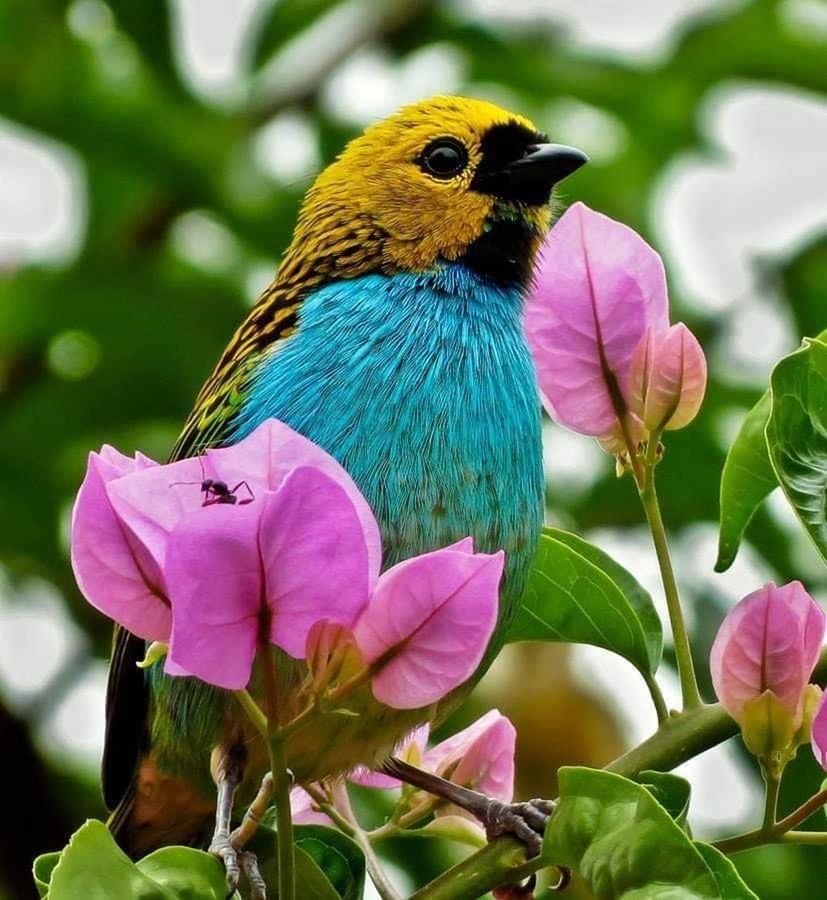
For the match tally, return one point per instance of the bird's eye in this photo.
(443, 158)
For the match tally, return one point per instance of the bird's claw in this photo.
(228, 855)
(249, 865)
(236, 861)
(526, 821)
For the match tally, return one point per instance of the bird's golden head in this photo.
(445, 179)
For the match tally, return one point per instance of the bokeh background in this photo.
(152, 158)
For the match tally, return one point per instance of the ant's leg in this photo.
(249, 491)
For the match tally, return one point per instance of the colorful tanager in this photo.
(392, 337)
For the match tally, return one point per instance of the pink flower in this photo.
(819, 733)
(668, 378)
(599, 287)
(480, 756)
(428, 623)
(150, 554)
(770, 640)
(112, 568)
(271, 568)
(298, 548)
(304, 810)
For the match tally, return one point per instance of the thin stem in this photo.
(807, 809)
(396, 826)
(253, 710)
(804, 837)
(758, 838)
(773, 783)
(649, 498)
(347, 822)
(282, 781)
(657, 697)
(779, 832)
(500, 862)
(284, 820)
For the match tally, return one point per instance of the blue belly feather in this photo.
(422, 386)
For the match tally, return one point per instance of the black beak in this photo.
(550, 163)
(530, 178)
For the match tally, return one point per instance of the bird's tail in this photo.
(158, 811)
(120, 817)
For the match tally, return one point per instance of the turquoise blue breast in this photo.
(423, 388)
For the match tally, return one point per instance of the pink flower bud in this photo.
(599, 286)
(769, 642)
(819, 733)
(480, 756)
(668, 378)
(304, 810)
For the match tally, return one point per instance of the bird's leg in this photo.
(526, 821)
(227, 773)
(255, 813)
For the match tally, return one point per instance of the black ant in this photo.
(217, 491)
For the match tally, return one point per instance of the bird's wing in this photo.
(273, 319)
(127, 694)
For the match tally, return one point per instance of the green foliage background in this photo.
(153, 152)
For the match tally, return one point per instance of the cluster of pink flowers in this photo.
(286, 543)
(480, 757)
(608, 362)
(762, 660)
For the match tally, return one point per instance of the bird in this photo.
(392, 337)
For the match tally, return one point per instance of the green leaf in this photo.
(748, 478)
(188, 874)
(671, 791)
(336, 858)
(339, 857)
(797, 435)
(311, 881)
(635, 593)
(42, 871)
(576, 593)
(729, 882)
(623, 843)
(93, 867)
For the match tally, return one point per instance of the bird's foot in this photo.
(249, 865)
(526, 821)
(235, 862)
(222, 848)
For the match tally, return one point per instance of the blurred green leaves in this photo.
(748, 478)
(781, 441)
(797, 435)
